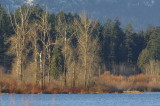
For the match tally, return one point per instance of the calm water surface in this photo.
(142, 99)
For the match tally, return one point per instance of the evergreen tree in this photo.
(57, 62)
(129, 43)
(154, 44)
(138, 46)
(106, 39)
(5, 31)
(152, 51)
(36, 13)
(116, 43)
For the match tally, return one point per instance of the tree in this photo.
(115, 41)
(45, 49)
(154, 44)
(152, 51)
(57, 62)
(88, 47)
(20, 39)
(143, 59)
(129, 43)
(5, 32)
(118, 41)
(64, 31)
(106, 39)
(138, 46)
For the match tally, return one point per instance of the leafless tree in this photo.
(62, 29)
(45, 53)
(88, 47)
(35, 49)
(20, 39)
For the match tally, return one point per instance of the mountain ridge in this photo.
(138, 12)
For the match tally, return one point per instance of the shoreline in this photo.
(124, 92)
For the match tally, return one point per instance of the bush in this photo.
(113, 83)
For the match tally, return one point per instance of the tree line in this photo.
(72, 48)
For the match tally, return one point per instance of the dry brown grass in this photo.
(112, 83)
(106, 83)
(13, 86)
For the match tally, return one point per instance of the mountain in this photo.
(138, 12)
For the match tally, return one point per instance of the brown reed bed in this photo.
(142, 82)
(106, 83)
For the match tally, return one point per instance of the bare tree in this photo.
(62, 29)
(73, 67)
(45, 53)
(88, 47)
(35, 48)
(20, 39)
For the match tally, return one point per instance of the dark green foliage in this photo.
(57, 62)
(129, 43)
(152, 50)
(137, 47)
(113, 46)
(36, 11)
(118, 41)
(5, 31)
(154, 44)
(134, 43)
(106, 40)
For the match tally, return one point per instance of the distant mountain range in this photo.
(138, 12)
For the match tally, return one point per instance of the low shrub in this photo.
(114, 83)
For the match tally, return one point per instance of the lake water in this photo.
(141, 99)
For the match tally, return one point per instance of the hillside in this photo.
(140, 13)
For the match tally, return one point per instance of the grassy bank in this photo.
(105, 83)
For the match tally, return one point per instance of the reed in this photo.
(105, 83)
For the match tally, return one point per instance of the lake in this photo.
(139, 99)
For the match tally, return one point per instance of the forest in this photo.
(43, 52)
